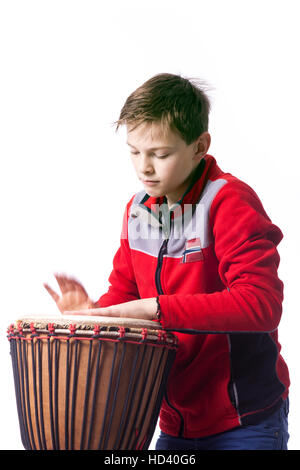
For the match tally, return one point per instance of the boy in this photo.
(198, 253)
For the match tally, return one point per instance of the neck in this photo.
(178, 196)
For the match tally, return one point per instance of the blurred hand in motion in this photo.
(73, 294)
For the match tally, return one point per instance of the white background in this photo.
(66, 69)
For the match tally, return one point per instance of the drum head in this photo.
(87, 322)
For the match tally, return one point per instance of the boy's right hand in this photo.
(74, 295)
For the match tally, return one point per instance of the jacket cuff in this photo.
(164, 310)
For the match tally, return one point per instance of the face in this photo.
(163, 161)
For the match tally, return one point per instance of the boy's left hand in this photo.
(144, 309)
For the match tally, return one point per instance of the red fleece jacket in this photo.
(222, 297)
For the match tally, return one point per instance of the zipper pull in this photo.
(164, 248)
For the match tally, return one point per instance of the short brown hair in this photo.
(176, 102)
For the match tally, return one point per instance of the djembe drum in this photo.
(83, 384)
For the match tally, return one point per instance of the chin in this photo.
(153, 193)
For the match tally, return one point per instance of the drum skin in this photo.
(86, 384)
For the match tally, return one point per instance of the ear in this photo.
(202, 145)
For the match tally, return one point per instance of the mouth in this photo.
(150, 182)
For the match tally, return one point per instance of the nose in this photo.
(145, 165)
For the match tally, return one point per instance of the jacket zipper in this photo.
(163, 250)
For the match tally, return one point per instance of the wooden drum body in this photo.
(85, 384)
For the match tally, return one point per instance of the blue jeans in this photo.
(270, 434)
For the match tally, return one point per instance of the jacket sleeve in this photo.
(245, 242)
(122, 282)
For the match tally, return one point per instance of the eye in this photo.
(162, 156)
(134, 153)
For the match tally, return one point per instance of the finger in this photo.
(67, 284)
(78, 286)
(61, 281)
(53, 294)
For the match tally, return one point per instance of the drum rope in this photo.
(67, 382)
(163, 386)
(35, 391)
(96, 381)
(115, 392)
(50, 392)
(134, 428)
(158, 369)
(21, 349)
(108, 395)
(17, 366)
(74, 395)
(44, 447)
(86, 396)
(131, 403)
(27, 396)
(125, 407)
(56, 426)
